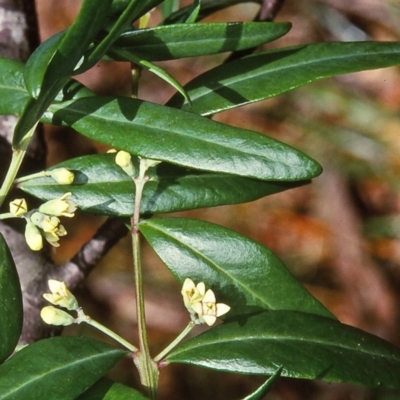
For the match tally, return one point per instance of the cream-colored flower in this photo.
(61, 207)
(208, 310)
(33, 237)
(60, 295)
(62, 176)
(55, 316)
(192, 294)
(18, 207)
(202, 304)
(124, 160)
(45, 222)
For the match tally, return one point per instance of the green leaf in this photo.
(166, 134)
(307, 346)
(155, 69)
(268, 74)
(191, 40)
(46, 75)
(102, 187)
(192, 17)
(10, 303)
(58, 368)
(39, 62)
(57, 57)
(105, 389)
(168, 7)
(13, 94)
(144, 6)
(265, 387)
(243, 274)
(207, 8)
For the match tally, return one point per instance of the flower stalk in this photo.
(176, 341)
(16, 161)
(82, 317)
(147, 368)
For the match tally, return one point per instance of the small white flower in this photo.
(202, 304)
(208, 310)
(192, 294)
(61, 207)
(60, 295)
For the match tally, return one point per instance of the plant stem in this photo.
(6, 216)
(85, 318)
(175, 342)
(147, 368)
(40, 174)
(16, 161)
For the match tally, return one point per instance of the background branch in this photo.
(19, 36)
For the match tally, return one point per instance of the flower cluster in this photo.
(44, 222)
(201, 304)
(59, 296)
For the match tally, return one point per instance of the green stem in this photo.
(40, 174)
(16, 161)
(175, 342)
(85, 318)
(147, 368)
(7, 215)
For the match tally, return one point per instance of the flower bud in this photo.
(60, 295)
(33, 237)
(18, 207)
(55, 316)
(62, 176)
(61, 207)
(124, 160)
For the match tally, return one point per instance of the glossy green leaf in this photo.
(144, 6)
(242, 273)
(10, 303)
(13, 94)
(162, 133)
(46, 75)
(190, 40)
(102, 187)
(207, 8)
(265, 387)
(38, 64)
(306, 346)
(125, 55)
(57, 57)
(129, 11)
(168, 7)
(268, 74)
(105, 389)
(58, 368)
(193, 15)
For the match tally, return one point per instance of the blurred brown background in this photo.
(340, 236)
